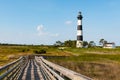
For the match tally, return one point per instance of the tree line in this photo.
(72, 43)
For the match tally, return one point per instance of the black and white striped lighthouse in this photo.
(79, 43)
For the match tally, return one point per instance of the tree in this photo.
(59, 43)
(102, 42)
(91, 44)
(85, 43)
(70, 43)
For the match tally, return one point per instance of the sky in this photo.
(47, 21)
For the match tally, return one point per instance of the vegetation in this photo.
(91, 44)
(102, 42)
(42, 51)
(97, 63)
(72, 43)
(94, 62)
(9, 53)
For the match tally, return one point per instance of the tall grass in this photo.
(93, 62)
(97, 63)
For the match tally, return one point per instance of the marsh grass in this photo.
(99, 69)
(97, 63)
(9, 53)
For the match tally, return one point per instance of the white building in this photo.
(109, 45)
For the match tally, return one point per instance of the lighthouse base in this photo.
(79, 44)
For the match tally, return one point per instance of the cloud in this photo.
(68, 22)
(40, 29)
(42, 32)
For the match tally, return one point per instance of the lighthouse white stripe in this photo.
(79, 32)
(79, 22)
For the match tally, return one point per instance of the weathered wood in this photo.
(11, 70)
(50, 70)
(39, 72)
(31, 68)
(66, 72)
(32, 71)
(25, 71)
(47, 71)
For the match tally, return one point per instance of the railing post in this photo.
(7, 71)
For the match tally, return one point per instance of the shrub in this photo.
(25, 50)
(42, 51)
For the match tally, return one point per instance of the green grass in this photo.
(78, 54)
(9, 53)
(90, 57)
(93, 50)
(93, 54)
(93, 62)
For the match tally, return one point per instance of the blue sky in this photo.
(46, 21)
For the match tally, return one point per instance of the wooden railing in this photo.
(59, 72)
(12, 70)
(46, 70)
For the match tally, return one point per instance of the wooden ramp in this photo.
(37, 68)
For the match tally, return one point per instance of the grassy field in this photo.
(10, 53)
(97, 63)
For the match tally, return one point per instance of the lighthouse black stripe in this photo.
(79, 17)
(79, 27)
(80, 38)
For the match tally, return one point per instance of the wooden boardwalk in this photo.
(31, 71)
(38, 68)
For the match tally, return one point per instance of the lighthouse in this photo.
(79, 43)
